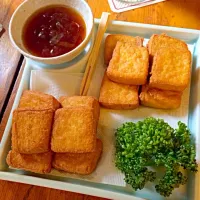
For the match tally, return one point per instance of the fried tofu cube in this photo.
(163, 99)
(31, 130)
(118, 96)
(78, 163)
(129, 64)
(171, 69)
(74, 130)
(81, 101)
(38, 163)
(157, 42)
(111, 41)
(37, 100)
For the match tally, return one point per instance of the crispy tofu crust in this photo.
(81, 101)
(78, 163)
(118, 96)
(37, 100)
(38, 163)
(157, 42)
(156, 98)
(31, 130)
(74, 130)
(129, 64)
(171, 69)
(111, 41)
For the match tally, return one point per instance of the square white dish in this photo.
(192, 38)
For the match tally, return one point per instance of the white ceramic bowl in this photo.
(28, 7)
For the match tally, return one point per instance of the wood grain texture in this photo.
(9, 57)
(11, 101)
(18, 191)
(179, 13)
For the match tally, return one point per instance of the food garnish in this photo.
(153, 142)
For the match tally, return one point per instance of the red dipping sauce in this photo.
(53, 31)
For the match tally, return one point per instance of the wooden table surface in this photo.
(179, 13)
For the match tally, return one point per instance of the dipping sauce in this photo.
(53, 31)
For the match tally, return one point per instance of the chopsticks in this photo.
(93, 56)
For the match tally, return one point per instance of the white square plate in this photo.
(192, 117)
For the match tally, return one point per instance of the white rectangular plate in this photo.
(192, 117)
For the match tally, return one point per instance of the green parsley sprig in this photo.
(154, 142)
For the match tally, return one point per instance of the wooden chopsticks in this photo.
(93, 56)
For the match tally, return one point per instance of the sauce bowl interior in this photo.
(26, 9)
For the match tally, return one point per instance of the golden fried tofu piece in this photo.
(78, 163)
(74, 130)
(157, 42)
(31, 130)
(171, 69)
(38, 163)
(37, 100)
(111, 41)
(118, 96)
(81, 101)
(163, 99)
(129, 64)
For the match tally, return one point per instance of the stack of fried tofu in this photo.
(46, 133)
(155, 76)
(74, 137)
(127, 68)
(31, 132)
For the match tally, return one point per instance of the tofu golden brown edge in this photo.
(118, 96)
(32, 126)
(129, 64)
(111, 41)
(82, 163)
